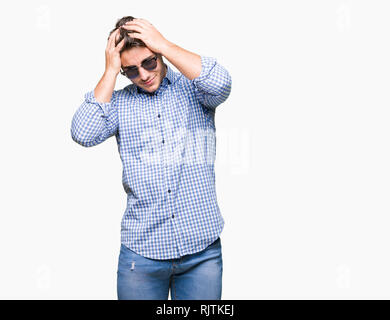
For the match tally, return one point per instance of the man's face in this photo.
(134, 57)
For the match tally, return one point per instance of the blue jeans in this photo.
(192, 277)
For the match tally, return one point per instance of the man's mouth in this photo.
(149, 82)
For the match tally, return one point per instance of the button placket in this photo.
(162, 142)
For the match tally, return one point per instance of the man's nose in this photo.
(143, 74)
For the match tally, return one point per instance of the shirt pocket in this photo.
(142, 134)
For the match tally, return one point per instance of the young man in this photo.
(164, 126)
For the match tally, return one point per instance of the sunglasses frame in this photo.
(123, 72)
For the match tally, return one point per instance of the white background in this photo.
(302, 167)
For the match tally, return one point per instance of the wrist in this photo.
(166, 47)
(111, 73)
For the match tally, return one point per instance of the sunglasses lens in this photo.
(132, 73)
(150, 64)
(147, 65)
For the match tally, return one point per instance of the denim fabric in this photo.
(192, 277)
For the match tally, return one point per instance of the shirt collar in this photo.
(169, 78)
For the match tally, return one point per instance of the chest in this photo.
(147, 123)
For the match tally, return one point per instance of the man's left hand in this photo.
(146, 32)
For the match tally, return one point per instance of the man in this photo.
(164, 126)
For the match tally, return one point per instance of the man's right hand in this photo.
(113, 59)
(105, 87)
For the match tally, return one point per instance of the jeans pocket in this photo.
(127, 257)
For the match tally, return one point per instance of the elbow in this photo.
(222, 93)
(222, 90)
(79, 139)
(79, 136)
(226, 87)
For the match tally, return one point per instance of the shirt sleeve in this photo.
(94, 122)
(213, 85)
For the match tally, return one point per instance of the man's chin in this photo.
(149, 89)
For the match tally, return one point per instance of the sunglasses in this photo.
(132, 72)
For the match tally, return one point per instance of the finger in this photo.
(109, 40)
(112, 35)
(133, 28)
(136, 23)
(142, 24)
(143, 20)
(112, 38)
(120, 45)
(133, 25)
(137, 35)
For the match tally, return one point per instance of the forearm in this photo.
(105, 87)
(188, 63)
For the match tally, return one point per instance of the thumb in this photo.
(120, 45)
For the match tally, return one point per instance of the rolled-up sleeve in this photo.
(94, 122)
(213, 85)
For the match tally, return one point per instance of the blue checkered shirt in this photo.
(166, 141)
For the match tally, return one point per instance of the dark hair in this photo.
(129, 41)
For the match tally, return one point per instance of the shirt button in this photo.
(169, 190)
(163, 141)
(173, 216)
(159, 115)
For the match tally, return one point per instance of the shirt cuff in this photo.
(208, 64)
(105, 106)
